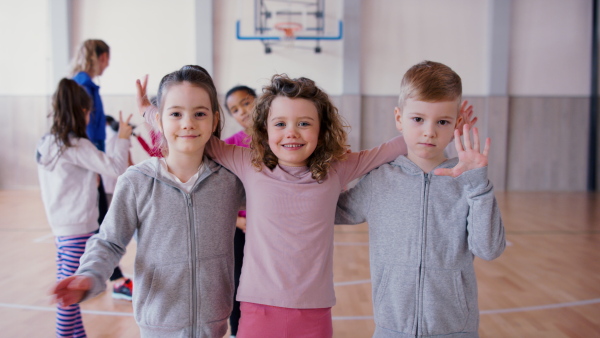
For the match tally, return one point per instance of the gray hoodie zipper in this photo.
(419, 316)
(188, 197)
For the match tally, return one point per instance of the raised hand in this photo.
(142, 100)
(125, 129)
(71, 290)
(466, 111)
(469, 155)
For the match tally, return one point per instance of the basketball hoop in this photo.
(289, 29)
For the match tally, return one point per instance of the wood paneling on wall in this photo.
(538, 143)
(548, 143)
(23, 124)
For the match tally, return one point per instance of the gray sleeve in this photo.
(484, 223)
(353, 205)
(104, 250)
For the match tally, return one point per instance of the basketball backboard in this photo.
(283, 22)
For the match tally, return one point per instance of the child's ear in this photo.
(398, 118)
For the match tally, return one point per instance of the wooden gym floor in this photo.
(546, 284)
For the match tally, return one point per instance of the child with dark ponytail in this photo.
(68, 168)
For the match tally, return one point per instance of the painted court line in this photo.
(44, 238)
(484, 312)
(53, 309)
(541, 307)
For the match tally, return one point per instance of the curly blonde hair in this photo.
(86, 57)
(331, 145)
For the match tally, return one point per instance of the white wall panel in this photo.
(245, 62)
(399, 34)
(551, 48)
(24, 36)
(145, 36)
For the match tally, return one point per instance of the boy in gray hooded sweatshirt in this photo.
(428, 216)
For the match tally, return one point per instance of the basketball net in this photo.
(289, 30)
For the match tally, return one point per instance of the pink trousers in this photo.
(264, 321)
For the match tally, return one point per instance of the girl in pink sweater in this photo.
(293, 173)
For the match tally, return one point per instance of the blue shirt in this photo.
(96, 129)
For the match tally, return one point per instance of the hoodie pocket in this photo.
(396, 299)
(444, 304)
(215, 284)
(168, 302)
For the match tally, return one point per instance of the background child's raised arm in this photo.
(466, 112)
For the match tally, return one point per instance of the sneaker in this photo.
(123, 290)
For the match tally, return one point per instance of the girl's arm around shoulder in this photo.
(105, 249)
(353, 205)
(232, 157)
(484, 223)
(87, 156)
(360, 163)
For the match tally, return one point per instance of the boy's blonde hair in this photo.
(430, 82)
(86, 57)
(331, 145)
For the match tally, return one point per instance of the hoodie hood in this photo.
(151, 167)
(47, 152)
(410, 167)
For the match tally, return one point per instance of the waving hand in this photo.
(469, 155)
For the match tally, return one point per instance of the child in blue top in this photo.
(428, 216)
(92, 58)
(90, 61)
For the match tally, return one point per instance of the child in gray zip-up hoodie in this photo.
(428, 216)
(184, 208)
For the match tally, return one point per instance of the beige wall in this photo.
(539, 130)
(24, 63)
(245, 62)
(551, 48)
(399, 34)
(151, 37)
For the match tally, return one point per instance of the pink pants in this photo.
(264, 321)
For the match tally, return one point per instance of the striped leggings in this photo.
(69, 250)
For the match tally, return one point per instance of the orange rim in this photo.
(288, 28)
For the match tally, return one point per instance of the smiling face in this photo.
(293, 129)
(187, 121)
(240, 104)
(427, 127)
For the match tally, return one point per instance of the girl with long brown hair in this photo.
(68, 167)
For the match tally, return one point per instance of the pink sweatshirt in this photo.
(288, 257)
(239, 139)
